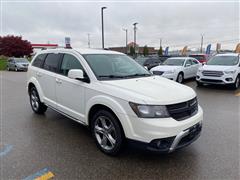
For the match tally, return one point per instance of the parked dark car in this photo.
(17, 64)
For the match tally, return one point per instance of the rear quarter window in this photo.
(38, 61)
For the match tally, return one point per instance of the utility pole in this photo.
(102, 26)
(201, 48)
(160, 42)
(135, 29)
(88, 40)
(126, 38)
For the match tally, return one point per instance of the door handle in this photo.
(58, 81)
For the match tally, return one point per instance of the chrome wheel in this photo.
(180, 78)
(105, 132)
(34, 100)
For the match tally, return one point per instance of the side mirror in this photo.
(76, 74)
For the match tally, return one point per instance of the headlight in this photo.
(149, 111)
(230, 72)
(169, 72)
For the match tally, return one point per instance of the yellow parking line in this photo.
(46, 176)
(237, 93)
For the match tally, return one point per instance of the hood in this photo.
(165, 68)
(149, 90)
(217, 68)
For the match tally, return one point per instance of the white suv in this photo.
(221, 69)
(118, 99)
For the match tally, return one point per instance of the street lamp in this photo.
(135, 29)
(126, 37)
(102, 26)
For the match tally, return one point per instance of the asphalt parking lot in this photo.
(31, 143)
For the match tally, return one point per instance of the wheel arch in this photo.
(34, 83)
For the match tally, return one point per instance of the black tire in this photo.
(180, 78)
(8, 69)
(110, 138)
(199, 84)
(236, 84)
(16, 69)
(37, 106)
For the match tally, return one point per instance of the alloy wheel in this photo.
(34, 100)
(105, 133)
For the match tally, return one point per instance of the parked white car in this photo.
(221, 69)
(178, 68)
(116, 97)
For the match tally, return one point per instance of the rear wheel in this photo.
(180, 78)
(37, 106)
(107, 132)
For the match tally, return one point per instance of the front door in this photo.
(70, 92)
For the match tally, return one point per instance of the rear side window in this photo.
(51, 62)
(39, 60)
(69, 62)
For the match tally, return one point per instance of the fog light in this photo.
(229, 79)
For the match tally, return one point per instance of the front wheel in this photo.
(8, 68)
(37, 106)
(237, 83)
(16, 69)
(199, 84)
(107, 132)
(180, 78)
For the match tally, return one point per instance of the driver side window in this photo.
(69, 62)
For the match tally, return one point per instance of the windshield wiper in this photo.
(137, 75)
(110, 76)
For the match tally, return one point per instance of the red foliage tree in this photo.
(15, 46)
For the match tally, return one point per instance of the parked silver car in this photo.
(17, 64)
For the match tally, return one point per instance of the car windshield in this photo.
(223, 60)
(174, 62)
(21, 60)
(114, 66)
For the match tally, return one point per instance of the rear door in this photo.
(195, 65)
(188, 68)
(47, 78)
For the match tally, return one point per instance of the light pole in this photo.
(126, 37)
(102, 26)
(135, 29)
(88, 40)
(201, 49)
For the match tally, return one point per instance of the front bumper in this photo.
(22, 68)
(225, 79)
(169, 76)
(170, 144)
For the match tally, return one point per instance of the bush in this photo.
(3, 62)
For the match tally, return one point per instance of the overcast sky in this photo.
(177, 23)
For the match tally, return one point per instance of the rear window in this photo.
(39, 60)
(51, 62)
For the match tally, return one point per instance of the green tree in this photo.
(132, 51)
(145, 50)
(160, 51)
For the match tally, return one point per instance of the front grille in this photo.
(212, 80)
(183, 110)
(213, 73)
(158, 72)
